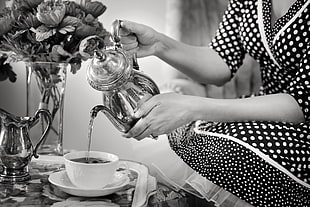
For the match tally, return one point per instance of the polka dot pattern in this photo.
(234, 165)
(237, 169)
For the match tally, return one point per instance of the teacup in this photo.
(91, 175)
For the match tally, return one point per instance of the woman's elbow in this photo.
(219, 80)
(222, 82)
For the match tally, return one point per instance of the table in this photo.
(40, 192)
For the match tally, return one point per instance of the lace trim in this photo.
(214, 193)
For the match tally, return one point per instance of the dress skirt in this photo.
(238, 165)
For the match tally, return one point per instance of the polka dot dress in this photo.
(263, 163)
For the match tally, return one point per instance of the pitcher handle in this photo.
(48, 116)
(116, 25)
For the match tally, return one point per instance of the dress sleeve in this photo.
(300, 86)
(227, 42)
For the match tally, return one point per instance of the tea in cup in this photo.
(93, 173)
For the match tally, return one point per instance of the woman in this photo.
(257, 147)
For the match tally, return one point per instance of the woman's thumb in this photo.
(144, 107)
(132, 27)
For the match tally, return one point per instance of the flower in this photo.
(51, 14)
(51, 31)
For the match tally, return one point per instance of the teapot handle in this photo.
(116, 25)
(48, 116)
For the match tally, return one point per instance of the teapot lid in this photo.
(108, 70)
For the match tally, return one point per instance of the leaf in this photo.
(58, 52)
(66, 29)
(68, 24)
(45, 35)
(69, 20)
(6, 71)
(43, 32)
(95, 8)
(31, 38)
(12, 76)
(18, 33)
(33, 3)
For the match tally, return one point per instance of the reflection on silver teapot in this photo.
(114, 74)
(16, 149)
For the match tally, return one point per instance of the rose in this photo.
(89, 45)
(51, 14)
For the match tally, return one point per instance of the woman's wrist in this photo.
(197, 108)
(163, 46)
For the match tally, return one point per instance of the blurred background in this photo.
(80, 97)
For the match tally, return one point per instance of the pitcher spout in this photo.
(7, 117)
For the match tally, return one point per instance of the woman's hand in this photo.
(202, 64)
(138, 38)
(161, 114)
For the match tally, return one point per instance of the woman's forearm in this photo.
(200, 63)
(276, 107)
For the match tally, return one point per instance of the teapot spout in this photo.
(121, 125)
(96, 109)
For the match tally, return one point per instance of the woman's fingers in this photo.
(133, 27)
(130, 46)
(128, 38)
(144, 106)
(139, 131)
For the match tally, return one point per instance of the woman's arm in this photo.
(200, 63)
(275, 107)
(165, 112)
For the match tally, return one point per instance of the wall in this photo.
(80, 97)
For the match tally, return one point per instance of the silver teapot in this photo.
(16, 149)
(117, 76)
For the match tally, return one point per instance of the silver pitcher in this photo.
(16, 149)
(116, 75)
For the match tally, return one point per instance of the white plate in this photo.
(61, 180)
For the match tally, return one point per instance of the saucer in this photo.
(61, 180)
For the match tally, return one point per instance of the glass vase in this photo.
(46, 84)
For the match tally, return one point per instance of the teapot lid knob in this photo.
(116, 25)
(100, 55)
